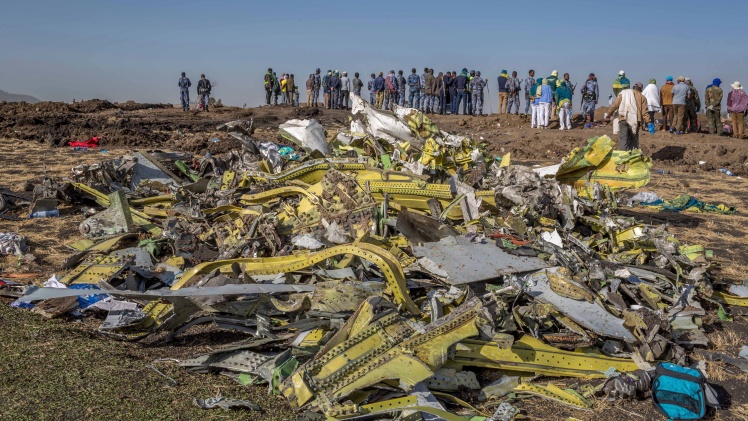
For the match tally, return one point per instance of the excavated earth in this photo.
(63, 370)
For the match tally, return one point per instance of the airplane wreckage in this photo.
(375, 274)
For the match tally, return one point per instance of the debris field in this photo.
(392, 270)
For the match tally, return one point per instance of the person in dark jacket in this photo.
(446, 85)
(503, 92)
(203, 91)
(452, 90)
(184, 91)
(379, 90)
(334, 84)
(461, 84)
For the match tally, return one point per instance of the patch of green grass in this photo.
(63, 370)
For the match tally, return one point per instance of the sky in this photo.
(135, 50)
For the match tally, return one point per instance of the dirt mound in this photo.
(136, 106)
(40, 108)
(93, 106)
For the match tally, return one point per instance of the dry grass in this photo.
(725, 340)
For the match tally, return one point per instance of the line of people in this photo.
(544, 97)
(203, 91)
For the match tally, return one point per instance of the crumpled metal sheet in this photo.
(308, 134)
(458, 261)
(589, 315)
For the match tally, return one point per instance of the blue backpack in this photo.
(678, 392)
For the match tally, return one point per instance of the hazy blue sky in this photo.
(120, 50)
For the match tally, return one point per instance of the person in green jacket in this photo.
(562, 98)
(620, 83)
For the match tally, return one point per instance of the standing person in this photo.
(421, 105)
(390, 90)
(476, 90)
(503, 92)
(666, 99)
(562, 98)
(553, 83)
(290, 88)
(326, 89)
(572, 86)
(268, 85)
(372, 91)
(681, 93)
(357, 85)
(295, 95)
(284, 89)
(317, 83)
(590, 94)
(461, 83)
(428, 90)
(513, 88)
(276, 89)
(445, 97)
(529, 91)
(452, 90)
(535, 103)
(203, 91)
(345, 91)
(737, 104)
(309, 90)
(414, 89)
(631, 106)
(652, 94)
(400, 88)
(470, 94)
(379, 89)
(436, 107)
(334, 84)
(545, 99)
(620, 83)
(713, 105)
(184, 91)
(693, 106)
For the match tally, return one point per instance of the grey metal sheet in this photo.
(458, 261)
(232, 289)
(589, 315)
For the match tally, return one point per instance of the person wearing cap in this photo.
(693, 106)
(345, 91)
(529, 82)
(652, 94)
(553, 83)
(620, 83)
(631, 106)
(203, 91)
(666, 99)
(503, 92)
(476, 88)
(681, 92)
(590, 95)
(316, 84)
(184, 91)
(737, 104)
(268, 85)
(713, 104)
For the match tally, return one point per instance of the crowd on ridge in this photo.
(545, 97)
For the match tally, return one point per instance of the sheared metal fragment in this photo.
(386, 349)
